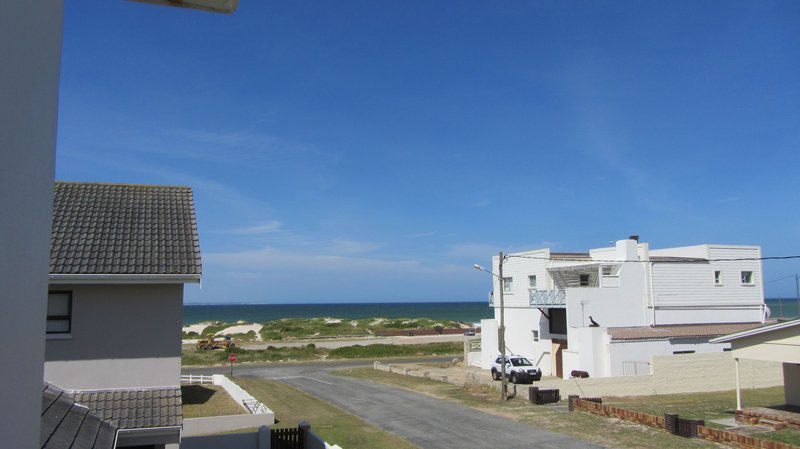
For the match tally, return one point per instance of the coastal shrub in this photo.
(384, 350)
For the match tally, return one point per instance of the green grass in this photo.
(207, 400)
(710, 406)
(195, 357)
(707, 406)
(596, 429)
(383, 350)
(333, 424)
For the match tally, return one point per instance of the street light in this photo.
(501, 331)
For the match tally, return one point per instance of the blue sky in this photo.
(373, 151)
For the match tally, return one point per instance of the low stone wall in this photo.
(391, 368)
(743, 441)
(675, 425)
(616, 412)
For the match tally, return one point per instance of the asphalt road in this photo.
(423, 420)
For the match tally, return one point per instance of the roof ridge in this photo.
(124, 184)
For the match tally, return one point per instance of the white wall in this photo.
(611, 307)
(489, 348)
(686, 293)
(634, 357)
(30, 53)
(123, 336)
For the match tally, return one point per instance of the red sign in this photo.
(231, 358)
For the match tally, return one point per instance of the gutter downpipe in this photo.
(652, 295)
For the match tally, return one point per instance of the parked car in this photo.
(518, 370)
(469, 332)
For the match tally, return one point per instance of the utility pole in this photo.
(501, 337)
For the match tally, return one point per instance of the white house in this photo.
(643, 302)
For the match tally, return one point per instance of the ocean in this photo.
(469, 311)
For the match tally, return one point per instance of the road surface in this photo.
(423, 420)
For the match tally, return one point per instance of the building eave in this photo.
(125, 278)
(756, 331)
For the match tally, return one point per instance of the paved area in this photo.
(423, 420)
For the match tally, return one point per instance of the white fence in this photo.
(196, 379)
(257, 415)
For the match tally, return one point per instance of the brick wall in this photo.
(743, 441)
(621, 413)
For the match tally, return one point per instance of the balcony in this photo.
(491, 299)
(548, 298)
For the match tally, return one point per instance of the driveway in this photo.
(423, 420)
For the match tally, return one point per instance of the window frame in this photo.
(534, 285)
(67, 318)
(718, 278)
(535, 333)
(752, 280)
(583, 276)
(508, 287)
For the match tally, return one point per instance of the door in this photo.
(558, 348)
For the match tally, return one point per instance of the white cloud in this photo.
(423, 234)
(270, 226)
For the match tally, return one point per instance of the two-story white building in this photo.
(608, 311)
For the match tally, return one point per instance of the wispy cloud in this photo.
(265, 228)
(422, 234)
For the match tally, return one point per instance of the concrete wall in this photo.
(791, 387)
(209, 425)
(30, 51)
(628, 358)
(122, 336)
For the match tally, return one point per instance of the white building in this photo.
(644, 303)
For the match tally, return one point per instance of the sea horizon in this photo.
(466, 311)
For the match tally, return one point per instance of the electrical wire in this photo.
(782, 278)
(686, 259)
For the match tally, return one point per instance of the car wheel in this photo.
(514, 378)
(495, 375)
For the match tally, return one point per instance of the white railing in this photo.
(547, 298)
(196, 379)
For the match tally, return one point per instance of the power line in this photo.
(793, 275)
(678, 260)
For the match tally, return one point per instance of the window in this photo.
(607, 270)
(59, 312)
(507, 284)
(683, 352)
(532, 282)
(584, 279)
(535, 335)
(558, 321)
(747, 277)
(717, 278)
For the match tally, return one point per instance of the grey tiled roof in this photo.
(68, 424)
(123, 229)
(135, 408)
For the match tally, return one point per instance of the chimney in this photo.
(634, 237)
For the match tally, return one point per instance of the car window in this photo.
(520, 361)
(497, 360)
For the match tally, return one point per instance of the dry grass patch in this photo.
(208, 400)
(333, 424)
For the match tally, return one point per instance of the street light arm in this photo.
(480, 268)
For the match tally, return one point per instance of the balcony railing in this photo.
(548, 298)
(491, 299)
